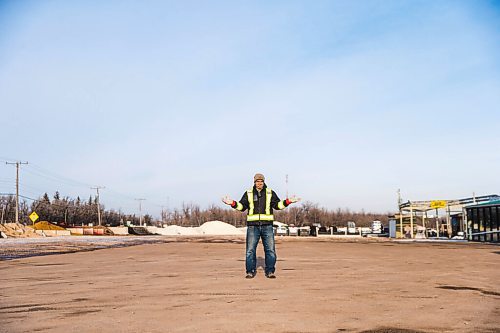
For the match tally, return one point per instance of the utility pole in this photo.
(162, 216)
(167, 212)
(140, 210)
(97, 188)
(400, 212)
(286, 212)
(3, 211)
(17, 186)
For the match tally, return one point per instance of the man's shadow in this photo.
(261, 262)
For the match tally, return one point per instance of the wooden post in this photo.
(401, 223)
(437, 223)
(411, 221)
(424, 216)
(448, 220)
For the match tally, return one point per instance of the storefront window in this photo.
(480, 222)
(484, 219)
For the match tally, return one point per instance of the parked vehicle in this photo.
(351, 227)
(431, 232)
(420, 234)
(293, 230)
(365, 231)
(282, 230)
(323, 231)
(460, 235)
(304, 231)
(377, 227)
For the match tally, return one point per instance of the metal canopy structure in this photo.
(411, 210)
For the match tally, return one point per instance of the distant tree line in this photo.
(65, 211)
(303, 214)
(75, 212)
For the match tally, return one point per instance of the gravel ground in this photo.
(14, 248)
(189, 284)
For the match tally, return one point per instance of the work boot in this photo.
(250, 275)
(270, 276)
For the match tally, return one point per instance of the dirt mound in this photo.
(44, 225)
(101, 230)
(17, 230)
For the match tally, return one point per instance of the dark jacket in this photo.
(259, 201)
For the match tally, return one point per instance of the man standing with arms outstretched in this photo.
(260, 202)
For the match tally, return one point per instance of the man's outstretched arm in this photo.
(242, 205)
(278, 204)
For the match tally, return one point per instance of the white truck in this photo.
(351, 227)
(377, 227)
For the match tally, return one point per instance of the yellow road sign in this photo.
(33, 217)
(438, 204)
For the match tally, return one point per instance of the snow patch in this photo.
(207, 228)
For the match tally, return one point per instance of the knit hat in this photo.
(258, 176)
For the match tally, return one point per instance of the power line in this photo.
(49, 174)
(25, 197)
(23, 185)
(38, 171)
(120, 194)
(41, 172)
(50, 178)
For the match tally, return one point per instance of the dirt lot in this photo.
(198, 285)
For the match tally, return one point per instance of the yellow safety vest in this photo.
(259, 217)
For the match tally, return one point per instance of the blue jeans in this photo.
(254, 233)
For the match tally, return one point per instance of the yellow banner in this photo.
(438, 204)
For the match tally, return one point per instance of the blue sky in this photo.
(183, 101)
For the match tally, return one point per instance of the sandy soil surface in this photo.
(198, 285)
(13, 248)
